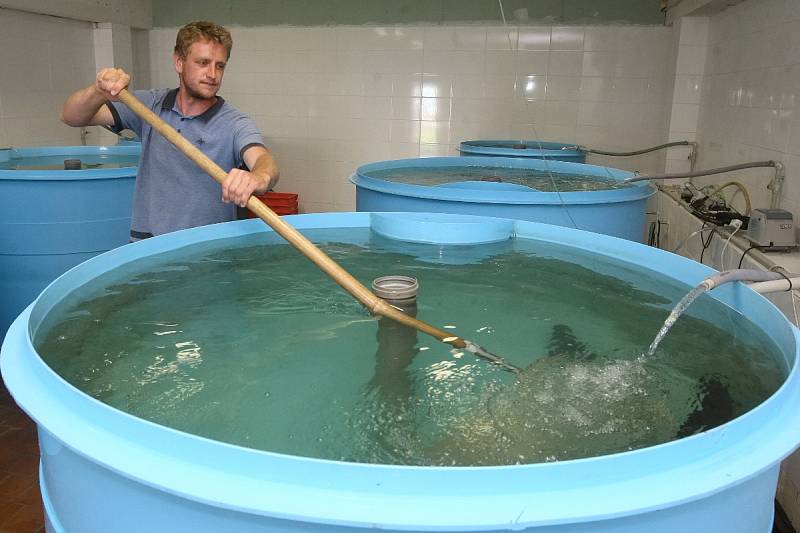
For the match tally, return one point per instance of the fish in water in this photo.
(713, 407)
(569, 404)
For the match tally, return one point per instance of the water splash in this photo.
(685, 302)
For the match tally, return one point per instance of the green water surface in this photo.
(250, 344)
(56, 162)
(541, 180)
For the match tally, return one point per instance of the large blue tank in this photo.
(105, 470)
(535, 149)
(619, 212)
(51, 219)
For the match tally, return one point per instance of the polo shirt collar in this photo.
(169, 104)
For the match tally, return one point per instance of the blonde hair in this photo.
(202, 30)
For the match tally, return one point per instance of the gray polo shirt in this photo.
(171, 192)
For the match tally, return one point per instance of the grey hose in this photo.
(720, 170)
(637, 152)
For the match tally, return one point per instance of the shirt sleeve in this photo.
(124, 118)
(245, 135)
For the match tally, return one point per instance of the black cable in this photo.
(784, 276)
(705, 244)
(741, 260)
(658, 235)
(707, 210)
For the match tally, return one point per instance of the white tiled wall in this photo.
(44, 58)
(330, 99)
(689, 50)
(751, 89)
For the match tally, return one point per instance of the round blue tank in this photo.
(105, 470)
(51, 219)
(536, 149)
(619, 212)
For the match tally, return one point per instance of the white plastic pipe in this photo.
(741, 274)
(778, 285)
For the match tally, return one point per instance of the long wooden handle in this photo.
(374, 304)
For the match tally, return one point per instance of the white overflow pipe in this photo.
(764, 281)
(777, 285)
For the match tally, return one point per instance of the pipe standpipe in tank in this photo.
(399, 291)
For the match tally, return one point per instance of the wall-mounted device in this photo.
(771, 229)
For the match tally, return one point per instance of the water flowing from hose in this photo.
(711, 283)
(685, 302)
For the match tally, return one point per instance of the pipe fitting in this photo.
(396, 290)
(776, 185)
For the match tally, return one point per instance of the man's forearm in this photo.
(266, 169)
(82, 106)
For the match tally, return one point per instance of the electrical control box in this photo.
(772, 229)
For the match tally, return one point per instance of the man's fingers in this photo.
(112, 81)
(237, 188)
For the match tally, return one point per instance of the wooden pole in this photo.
(374, 304)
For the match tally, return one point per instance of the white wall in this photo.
(751, 88)
(44, 59)
(689, 51)
(48, 50)
(330, 99)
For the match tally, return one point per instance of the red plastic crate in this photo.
(279, 199)
(283, 203)
(284, 210)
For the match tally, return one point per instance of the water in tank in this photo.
(154, 341)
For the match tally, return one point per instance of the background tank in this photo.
(51, 219)
(536, 149)
(574, 195)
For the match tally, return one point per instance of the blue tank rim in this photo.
(266, 483)
(7, 154)
(538, 149)
(638, 191)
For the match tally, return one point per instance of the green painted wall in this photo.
(168, 13)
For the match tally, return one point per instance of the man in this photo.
(171, 192)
